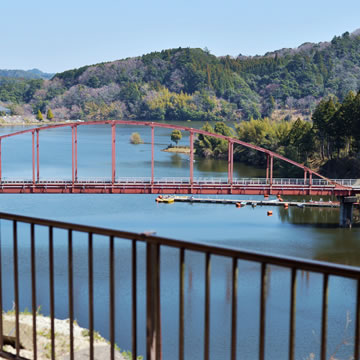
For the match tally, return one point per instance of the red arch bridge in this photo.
(311, 184)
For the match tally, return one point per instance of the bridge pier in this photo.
(346, 210)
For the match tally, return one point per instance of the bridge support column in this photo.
(33, 156)
(152, 155)
(37, 156)
(267, 167)
(0, 159)
(230, 162)
(75, 133)
(346, 210)
(113, 142)
(191, 160)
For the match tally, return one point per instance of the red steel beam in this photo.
(147, 188)
(76, 169)
(267, 167)
(230, 161)
(72, 156)
(152, 154)
(191, 157)
(183, 128)
(0, 160)
(113, 155)
(229, 164)
(37, 155)
(271, 169)
(33, 156)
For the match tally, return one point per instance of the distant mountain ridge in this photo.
(25, 74)
(191, 83)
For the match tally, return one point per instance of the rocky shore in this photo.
(62, 339)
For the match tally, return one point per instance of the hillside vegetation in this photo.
(184, 83)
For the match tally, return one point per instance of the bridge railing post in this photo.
(153, 318)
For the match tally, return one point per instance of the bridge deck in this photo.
(179, 186)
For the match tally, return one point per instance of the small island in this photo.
(178, 149)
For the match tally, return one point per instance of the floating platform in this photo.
(254, 203)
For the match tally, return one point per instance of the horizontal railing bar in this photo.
(271, 259)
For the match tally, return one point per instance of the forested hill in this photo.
(184, 83)
(25, 74)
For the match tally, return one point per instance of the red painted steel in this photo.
(168, 188)
(152, 154)
(113, 155)
(33, 156)
(232, 162)
(72, 156)
(267, 167)
(76, 172)
(0, 159)
(191, 157)
(37, 155)
(160, 188)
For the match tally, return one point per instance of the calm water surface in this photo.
(305, 233)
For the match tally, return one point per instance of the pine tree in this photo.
(49, 114)
(39, 116)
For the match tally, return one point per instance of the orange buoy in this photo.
(286, 205)
(266, 197)
(160, 196)
(238, 205)
(269, 213)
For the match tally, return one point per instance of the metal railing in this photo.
(153, 245)
(186, 180)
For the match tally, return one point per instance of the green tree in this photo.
(176, 136)
(135, 138)
(39, 116)
(49, 114)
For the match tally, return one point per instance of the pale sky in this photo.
(60, 35)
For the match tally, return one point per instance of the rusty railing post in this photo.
(153, 326)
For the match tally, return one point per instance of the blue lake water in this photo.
(305, 233)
